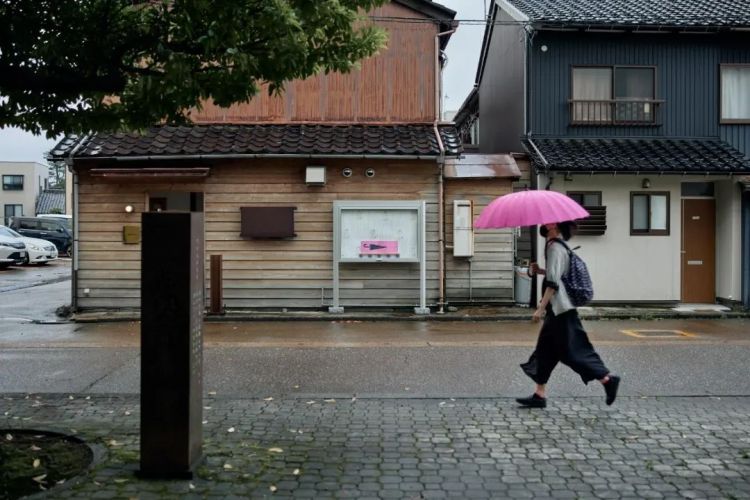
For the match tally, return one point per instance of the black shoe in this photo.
(611, 388)
(533, 401)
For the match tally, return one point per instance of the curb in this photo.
(239, 318)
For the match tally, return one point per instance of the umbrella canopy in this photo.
(529, 208)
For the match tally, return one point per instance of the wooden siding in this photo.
(523, 240)
(488, 276)
(687, 79)
(257, 274)
(395, 86)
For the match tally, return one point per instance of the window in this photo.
(649, 214)
(12, 182)
(616, 95)
(596, 223)
(12, 211)
(735, 93)
(586, 198)
(49, 225)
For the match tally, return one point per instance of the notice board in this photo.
(379, 235)
(379, 232)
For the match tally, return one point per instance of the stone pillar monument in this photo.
(172, 309)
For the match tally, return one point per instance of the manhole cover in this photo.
(657, 334)
(34, 461)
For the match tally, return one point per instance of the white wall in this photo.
(34, 176)
(623, 267)
(728, 240)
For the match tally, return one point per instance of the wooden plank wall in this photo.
(395, 86)
(109, 269)
(257, 274)
(524, 240)
(488, 276)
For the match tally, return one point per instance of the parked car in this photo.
(52, 230)
(67, 219)
(37, 251)
(12, 251)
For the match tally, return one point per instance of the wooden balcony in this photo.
(626, 112)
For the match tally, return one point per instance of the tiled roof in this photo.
(636, 155)
(50, 199)
(680, 13)
(317, 140)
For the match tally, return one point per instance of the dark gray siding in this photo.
(687, 78)
(501, 90)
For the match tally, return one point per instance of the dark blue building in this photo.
(640, 110)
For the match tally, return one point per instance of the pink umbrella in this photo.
(529, 208)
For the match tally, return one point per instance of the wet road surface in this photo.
(409, 359)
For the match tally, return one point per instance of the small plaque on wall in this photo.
(267, 222)
(131, 235)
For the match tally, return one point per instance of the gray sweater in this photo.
(557, 262)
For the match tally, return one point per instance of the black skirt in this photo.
(563, 339)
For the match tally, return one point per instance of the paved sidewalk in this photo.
(420, 448)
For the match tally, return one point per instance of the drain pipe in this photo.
(74, 272)
(441, 169)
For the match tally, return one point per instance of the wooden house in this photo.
(340, 193)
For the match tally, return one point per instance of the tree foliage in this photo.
(86, 65)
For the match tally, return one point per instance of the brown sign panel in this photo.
(131, 235)
(267, 222)
(172, 309)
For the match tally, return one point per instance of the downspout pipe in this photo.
(441, 168)
(69, 161)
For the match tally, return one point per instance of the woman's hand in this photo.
(538, 315)
(534, 269)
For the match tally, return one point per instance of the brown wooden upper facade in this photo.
(398, 85)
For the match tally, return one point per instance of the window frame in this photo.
(722, 120)
(6, 217)
(583, 194)
(6, 187)
(613, 121)
(649, 231)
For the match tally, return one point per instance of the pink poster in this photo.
(378, 248)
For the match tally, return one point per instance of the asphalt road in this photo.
(348, 358)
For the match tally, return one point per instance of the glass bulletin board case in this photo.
(377, 232)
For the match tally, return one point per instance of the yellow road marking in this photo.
(667, 334)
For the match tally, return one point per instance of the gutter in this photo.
(258, 156)
(441, 169)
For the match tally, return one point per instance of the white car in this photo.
(37, 251)
(12, 251)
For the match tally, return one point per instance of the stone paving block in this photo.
(416, 448)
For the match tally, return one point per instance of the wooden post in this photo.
(217, 285)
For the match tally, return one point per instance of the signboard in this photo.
(379, 232)
(377, 247)
(372, 234)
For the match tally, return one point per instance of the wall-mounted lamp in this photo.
(129, 209)
(544, 48)
(347, 172)
(646, 183)
(370, 172)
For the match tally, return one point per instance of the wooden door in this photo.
(699, 251)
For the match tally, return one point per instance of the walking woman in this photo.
(562, 337)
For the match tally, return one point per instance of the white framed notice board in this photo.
(377, 232)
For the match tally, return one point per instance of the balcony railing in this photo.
(615, 112)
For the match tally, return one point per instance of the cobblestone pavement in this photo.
(419, 448)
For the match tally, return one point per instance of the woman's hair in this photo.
(567, 229)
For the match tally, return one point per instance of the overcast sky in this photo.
(463, 54)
